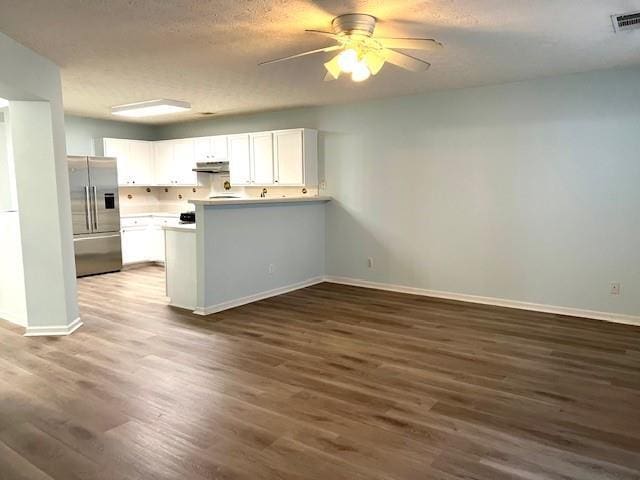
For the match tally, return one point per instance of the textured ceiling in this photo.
(206, 52)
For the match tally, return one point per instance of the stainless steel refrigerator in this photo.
(95, 212)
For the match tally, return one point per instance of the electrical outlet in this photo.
(614, 288)
(370, 262)
(323, 185)
(272, 268)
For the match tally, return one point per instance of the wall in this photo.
(36, 124)
(525, 191)
(236, 245)
(7, 201)
(13, 305)
(84, 135)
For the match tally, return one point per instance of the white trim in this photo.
(500, 302)
(257, 296)
(53, 330)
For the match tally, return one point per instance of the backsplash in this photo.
(176, 199)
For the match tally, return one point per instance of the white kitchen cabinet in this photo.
(184, 162)
(211, 149)
(163, 162)
(135, 244)
(262, 158)
(118, 148)
(156, 243)
(277, 158)
(141, 162)
(135, 160)
(239, 160)
(296, 157)
(143, 238)
(173, 163)
(219, 148)
(289, 157)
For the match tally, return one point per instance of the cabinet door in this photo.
(262, 158)
(119, 148)
(141, 162)
(239, 160)
(183, 162)
(289, 157)
(135, 246)
(219, 148)
(156, 244)
(163, 162)
(202, 148)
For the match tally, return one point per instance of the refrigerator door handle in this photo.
(87, 202)
(95, 208)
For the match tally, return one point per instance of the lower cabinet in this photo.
(143, 239)
(135, 245)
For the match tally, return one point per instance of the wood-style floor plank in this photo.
(326, 382)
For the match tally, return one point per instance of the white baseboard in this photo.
(53, 330)
(499, 302)
(257, 296)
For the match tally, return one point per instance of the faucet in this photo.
(264, 193)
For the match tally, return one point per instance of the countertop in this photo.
(151, 214)
(181, 227)
(259, 201)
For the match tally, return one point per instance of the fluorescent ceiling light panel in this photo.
(4, 102)
(151, 108)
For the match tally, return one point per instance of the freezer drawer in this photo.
(101, 253)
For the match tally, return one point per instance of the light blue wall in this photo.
(84, 135)
(236, 245)
(527, 191)
(523, 191)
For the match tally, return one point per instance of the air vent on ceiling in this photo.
(626, 21)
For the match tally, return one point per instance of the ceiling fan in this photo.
(362, 54)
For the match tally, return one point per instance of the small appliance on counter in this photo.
(188, 217)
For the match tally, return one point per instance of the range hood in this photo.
(212, 167)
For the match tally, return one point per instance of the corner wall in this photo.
(525, 191)
(32, 84)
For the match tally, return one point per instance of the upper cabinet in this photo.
(277, 158)
(183, 162)
(239, 159)
(211, 149)
(140, 163)
(163, 162)
(262, 169)
(289, 151)
(135, 160)
(296, 157)
(174, 161)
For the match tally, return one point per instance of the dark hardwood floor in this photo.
(330, 382)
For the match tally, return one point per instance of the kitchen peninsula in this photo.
(244, 249)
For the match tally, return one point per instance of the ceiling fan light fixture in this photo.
(348, 59)
(333, 67)
(360, 72)
(374, 62)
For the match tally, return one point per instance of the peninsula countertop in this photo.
(259, 201)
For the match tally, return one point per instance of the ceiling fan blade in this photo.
(310, 52)
(410, 43)
(320, 32)
(405, 61)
